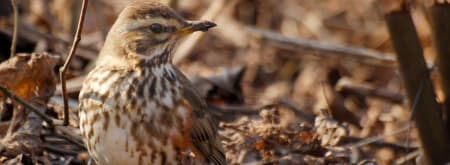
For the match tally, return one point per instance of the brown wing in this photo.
(203, 132)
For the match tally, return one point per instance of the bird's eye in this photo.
(156, 28)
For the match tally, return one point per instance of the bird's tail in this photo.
(216, 155)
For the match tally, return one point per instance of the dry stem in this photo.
(63, 69)
(29, 106)
(16, 24)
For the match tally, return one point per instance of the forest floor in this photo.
(289, 81)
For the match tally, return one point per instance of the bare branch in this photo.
(29, 106)
(16, 24)
(63, 69)
(303, 44)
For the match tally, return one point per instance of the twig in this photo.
(347, 85)
(414, 107)
(71, 135)
(369, 140)
(377, 144)
(408, 157)
(50, 121)
(16, 24)
(235, 109)
(187, 45)
(302, 44)
(71, 140)
(34, 35)
(63, 69)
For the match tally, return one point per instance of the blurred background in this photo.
(290, 81)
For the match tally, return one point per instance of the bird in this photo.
(135, 106)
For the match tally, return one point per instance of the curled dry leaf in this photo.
(30, 76)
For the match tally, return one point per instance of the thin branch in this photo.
(34, 35)
(302, 44)
(408, 157)
(63, 69)
(377, 144)
(16, 24)
(374, 139)
(50, 121)
(70, 136)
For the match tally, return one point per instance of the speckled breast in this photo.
(133, 116)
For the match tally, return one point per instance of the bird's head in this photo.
(146, 32)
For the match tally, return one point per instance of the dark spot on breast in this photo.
(164, 56)
(173, 90)
(170, 76)
(106, 120)
(166, 119)
(133, 104)
(116, 95)
(131, 90)
(94, 117)
(135, 82)
(163, 86)
(133, 131)
(142, 153)
(117, 119)
(141, 86)
(103, 97)
(144, 103)
(151, 89)
(90, 133)
(126, 144)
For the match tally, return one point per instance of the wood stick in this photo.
(427, 114)
(303, 44)
(16, 18)
(34, 35)
(440, 21)
(348, 85)
(48, 120)
(63, 69)
(369, 140)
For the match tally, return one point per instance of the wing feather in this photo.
(203, 132)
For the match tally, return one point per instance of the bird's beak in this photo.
(193, 26)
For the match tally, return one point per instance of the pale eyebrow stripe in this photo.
(140, 23)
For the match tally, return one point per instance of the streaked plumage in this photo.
(135, 106)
